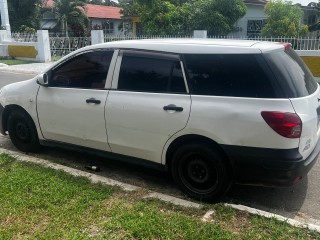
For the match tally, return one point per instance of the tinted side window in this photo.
(88, 70)
(294, 76)
(229, 75)
(150, 72)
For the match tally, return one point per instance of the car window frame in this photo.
(168, 55)
(109, 76)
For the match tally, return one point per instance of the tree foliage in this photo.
(24, 12)
(174, 17)
(71, 14)
(218, 16)
(284, 20)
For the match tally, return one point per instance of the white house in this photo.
(250, 25)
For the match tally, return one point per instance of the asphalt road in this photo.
(301, 201)
(7, 77)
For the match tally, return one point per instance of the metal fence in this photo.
(110, 38)
(298, 43)
(24, 37)
(61, 46)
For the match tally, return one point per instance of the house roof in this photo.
(99, 11)
(256, 2)
(95, 11)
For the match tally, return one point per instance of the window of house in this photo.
(254, 27)
(151, 72)
(312, 19)
(236, 75)
(88, 70)
(108, 27)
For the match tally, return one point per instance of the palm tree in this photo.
(71, 12)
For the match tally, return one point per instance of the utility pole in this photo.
(5, 25)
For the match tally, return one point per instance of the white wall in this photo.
(254, 12)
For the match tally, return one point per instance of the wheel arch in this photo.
(194, 138)
(6, 112)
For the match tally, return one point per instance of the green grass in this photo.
(40, 203)
(15, 62)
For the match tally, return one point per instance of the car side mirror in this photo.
(43, 79)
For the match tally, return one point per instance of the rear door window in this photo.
(231, 75)
(151, 72)
(293, 75)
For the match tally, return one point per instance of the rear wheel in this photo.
(201, 172)
(23, 132)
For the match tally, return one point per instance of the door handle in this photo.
(93, 100)
(173, 107)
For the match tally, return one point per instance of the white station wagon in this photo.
(211, 112)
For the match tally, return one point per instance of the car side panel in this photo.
(22, 94)
(65, 116)
(306, 108)
(137, 124)
(237, 121)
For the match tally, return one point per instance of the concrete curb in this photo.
(75, 172)
(3, 65)
(290, 221)
(20, 71)
(9, 70)
(163, 197)
(173, 200)
(30, 68)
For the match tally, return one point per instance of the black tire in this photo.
(23, 132)
(201, 172)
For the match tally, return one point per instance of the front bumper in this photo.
(269, 167)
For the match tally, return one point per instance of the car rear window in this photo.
(233, 75)
(293, 75)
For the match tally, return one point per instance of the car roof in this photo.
(186, 46)
(191, 45)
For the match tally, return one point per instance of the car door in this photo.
(71, 108)
(148, 103)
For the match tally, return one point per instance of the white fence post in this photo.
(200, 33)
(43, 46)
(3, 36)
(97, 37)
(3, 46)
(5, 17)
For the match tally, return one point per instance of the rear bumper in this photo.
(269, 167)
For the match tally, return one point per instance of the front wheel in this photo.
(23, 132)
(201, 172)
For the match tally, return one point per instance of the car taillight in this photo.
(288, 125)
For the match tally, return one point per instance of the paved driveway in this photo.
(299, 201)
